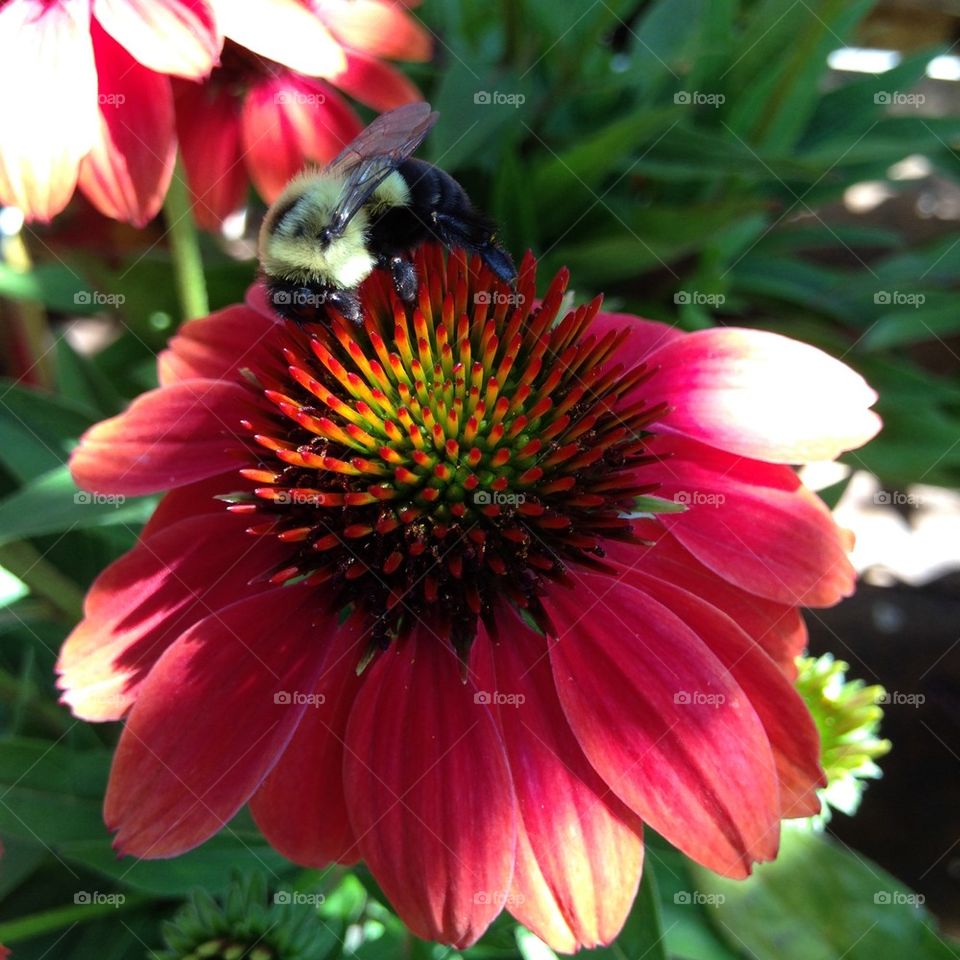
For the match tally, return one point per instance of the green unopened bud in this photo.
(245, 923)
(847, 715)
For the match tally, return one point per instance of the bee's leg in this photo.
(347, 303)
(404, 275)
(477, 236)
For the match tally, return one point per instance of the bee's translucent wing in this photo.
(376, 152)
(399, 131)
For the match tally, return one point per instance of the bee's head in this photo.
(297, 224)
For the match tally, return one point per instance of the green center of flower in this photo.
(451, 454)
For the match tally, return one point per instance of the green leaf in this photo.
(148, 299)
(687, 929)
(823, 25)
(921, 423)
(53, 284)
(642, 934)
(851, 108)
(568, 181)
(52, 504)
(209, 866)
(129, 364)
(20, 859)
(794, 237)
(480, 118)
(916, 445)
(346, 899)
(664, 39)
(933, 265)
(889, 140)
(653, 237)
(818, 901)
(51, 794)
(514, 207)
(937, 316)
(716, 46)
(147, 291)
(37, 429)
(684, 152)
(113, 939)
(82, 382)
(786, 278)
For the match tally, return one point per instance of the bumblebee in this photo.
(372, 206)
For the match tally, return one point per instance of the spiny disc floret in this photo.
(450, 455)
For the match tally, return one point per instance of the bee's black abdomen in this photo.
(433, 189)
(439, 209)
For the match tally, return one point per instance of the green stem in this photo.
(19, 693)
(513, 29)
(29, 318)
(43, 578)
(419, 949)
(48, 921)
(185, 248)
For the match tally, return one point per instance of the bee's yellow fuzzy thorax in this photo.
(289, 248)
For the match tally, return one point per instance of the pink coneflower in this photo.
(87, 100)
(272, 105)
(409, 595)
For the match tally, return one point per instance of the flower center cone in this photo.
(449, 455)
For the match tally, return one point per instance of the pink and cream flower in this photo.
(470, 593)
(87, 100)
(275, 103)
(97, 93)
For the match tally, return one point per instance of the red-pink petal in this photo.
(208, 127)
(786, 720)
(646, 336)
(220, 345)
(374, 83)
(429, 792)
(256, 298)
(179, 37)
(301, 807)
(195, 500)
(752, 523)
(778, 628)
(166, 438)
(580, 850)
(48, 111)
(284, 31)
(381, 29)
(762, 395)
(212, 718)
(665, 724)
(142, 602)
(127, 172)
(287, 121)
